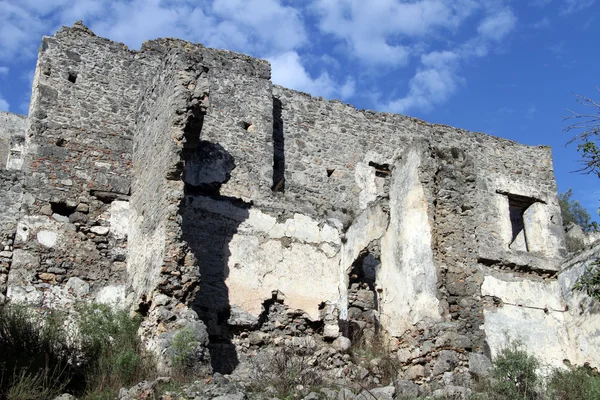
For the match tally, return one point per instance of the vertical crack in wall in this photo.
(278, 148)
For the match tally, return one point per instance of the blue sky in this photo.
(503, 67)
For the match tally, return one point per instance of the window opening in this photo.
(72, 77)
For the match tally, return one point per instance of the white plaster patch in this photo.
(301, 271)
(583, 317)
(300, 227)
(407, 276)
(22, 234)
(524, 292)
(260, 221)
(543, 335)
(113, 296)
(24, 294)
(145, 256)
(47, 238)
(19, 287)
(78, 286)
(364, 176)
(119, 219)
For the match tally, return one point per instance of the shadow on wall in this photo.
(209, 222)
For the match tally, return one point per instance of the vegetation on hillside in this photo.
(91, 354)
(516, 375)
(573, 212)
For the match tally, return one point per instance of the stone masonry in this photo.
(180, 181)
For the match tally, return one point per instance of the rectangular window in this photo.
(519, 215)
(516, 209)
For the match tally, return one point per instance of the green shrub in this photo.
(578, 384)
(94, 353)
(112, 349)
(35, 357)
(589, 282)
(514, 373)
(283, 370)
(183, 349)
(37, 385)
(372, 350)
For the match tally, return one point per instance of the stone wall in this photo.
(11, 196)
(583, 313)
(180, 177)
(552, 321)
(77, 160)
(12, 139)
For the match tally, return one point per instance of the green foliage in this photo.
(111, 346)
(589, 282)
(514, 373)
(515, 377)
(573, 211)
(34, 355)
(183, 349)
(284, 371)
(374, 352)
(44, 353)
(578, 384)
(43, 384)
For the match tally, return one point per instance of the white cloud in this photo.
(3, 104)
(588, 23)
(288, 71)
(348, 89)
(438, 76)
(384, 32)
(541, 24)
(18, 27)
(242, 25)
(276, 26)
(4, 70)
(497, 25)
(573, 6)
(435, 81)
(377, 32)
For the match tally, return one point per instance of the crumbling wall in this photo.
(162, 274)
(339, 160)
(408, 276)
(11, 195)
(582, 314)
(253, 204)
(554, 322)
(158, 188)
(12, 139)
(77, 159)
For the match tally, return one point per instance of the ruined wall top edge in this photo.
(393, 118)
(211, 57)
(258, 68)
(7, 114)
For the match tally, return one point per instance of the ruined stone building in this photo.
(179, 181)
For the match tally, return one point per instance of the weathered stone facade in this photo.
(179, 180)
